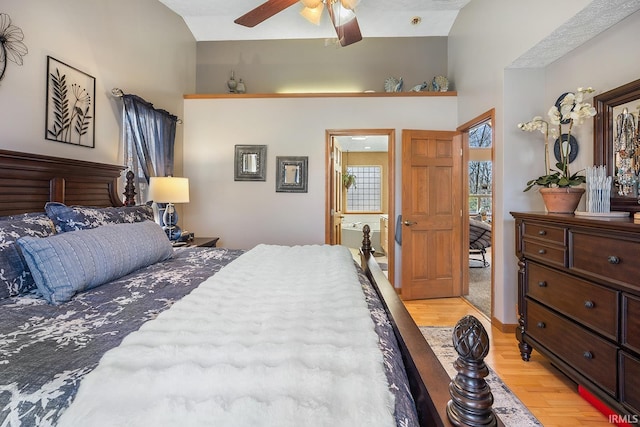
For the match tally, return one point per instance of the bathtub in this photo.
(352, 233)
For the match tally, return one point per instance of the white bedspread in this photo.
(280, 337)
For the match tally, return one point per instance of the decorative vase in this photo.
(232, 84)
(561, 199)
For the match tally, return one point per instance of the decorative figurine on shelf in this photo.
(232, 84)
(440, 84)
(241, 87)
(398, 87)
(424, 86)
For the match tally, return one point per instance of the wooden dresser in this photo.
(579, 301)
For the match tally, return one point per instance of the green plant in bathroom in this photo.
(348, 180)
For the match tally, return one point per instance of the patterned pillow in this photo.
(74, 218)
(15, 278)
(68, 263)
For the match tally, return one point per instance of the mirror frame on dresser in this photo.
(603, 128)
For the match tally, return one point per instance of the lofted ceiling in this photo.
(212, 20)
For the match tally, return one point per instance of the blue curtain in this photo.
(149, 138)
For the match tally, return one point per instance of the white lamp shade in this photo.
(169, 189)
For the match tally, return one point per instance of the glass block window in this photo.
(366, 195)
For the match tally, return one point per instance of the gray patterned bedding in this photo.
(46, 350)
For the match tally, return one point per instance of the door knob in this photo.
(409, 223)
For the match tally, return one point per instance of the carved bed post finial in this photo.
(471, 397)
(129, 190)
(366, 240)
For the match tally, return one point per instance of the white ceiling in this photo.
(366, 143)
(211, 20)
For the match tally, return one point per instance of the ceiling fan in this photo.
(341, 12)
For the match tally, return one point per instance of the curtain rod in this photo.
(118, 93)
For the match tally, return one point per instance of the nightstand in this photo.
(208, 242)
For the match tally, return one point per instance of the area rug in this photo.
(506, 405)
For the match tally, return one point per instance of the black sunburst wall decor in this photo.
(11, 46)
(70, 105)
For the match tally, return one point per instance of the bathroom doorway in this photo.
(360, 190)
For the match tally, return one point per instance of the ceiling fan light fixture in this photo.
(311, 4)
(349, 4)
(314, 14)
(342, 14)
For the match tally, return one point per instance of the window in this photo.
(366, 195)
(480, 168)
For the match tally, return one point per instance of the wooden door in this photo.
(336, 197)
(432, 214)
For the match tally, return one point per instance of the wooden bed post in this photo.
(440, 401)
(129, 190)
(366, 239)
(471, 397)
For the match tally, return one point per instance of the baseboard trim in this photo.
(503, 327)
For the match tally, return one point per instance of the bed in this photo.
(49, 348)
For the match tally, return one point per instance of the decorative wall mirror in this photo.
(251, 163)
(617, 143)
(291, 174)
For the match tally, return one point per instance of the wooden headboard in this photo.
(28, 181)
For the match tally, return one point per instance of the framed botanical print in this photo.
(70, 115)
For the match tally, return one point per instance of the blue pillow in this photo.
(68, 263)
(15, 278)
(73, 218)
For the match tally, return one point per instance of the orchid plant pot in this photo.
(561, 199)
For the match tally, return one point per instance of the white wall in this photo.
(139, 46)
(273, 66)
(246, 213)
(479, 61)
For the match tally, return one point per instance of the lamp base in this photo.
(170, 219)
(173, 232)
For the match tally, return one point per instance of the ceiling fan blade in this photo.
(263, 12)
(349, 32)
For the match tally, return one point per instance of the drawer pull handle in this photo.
(542, 284)
(589, 304)
(541, 325)
(542, 232)
(588, 355)
(542, 251)
(613, 259)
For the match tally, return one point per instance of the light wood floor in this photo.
(550, 396)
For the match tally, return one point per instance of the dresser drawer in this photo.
(607, 258)
(594, 357)
(630, 381)
(545, 253)
(544, 232)
(631, 322)
(594, 306)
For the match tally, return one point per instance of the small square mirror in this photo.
(291, 174)
(250, 163)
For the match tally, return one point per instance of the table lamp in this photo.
(169, 190)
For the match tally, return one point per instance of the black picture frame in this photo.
(291, 174)
(70, 105)
(250, 163)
